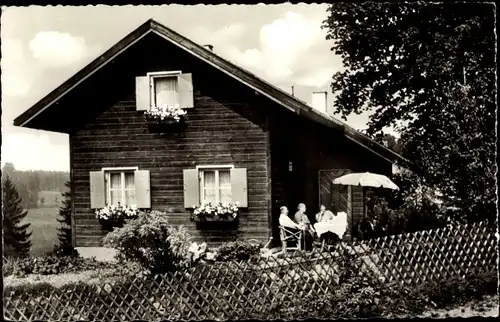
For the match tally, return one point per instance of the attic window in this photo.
(160, 88)
(164, 89)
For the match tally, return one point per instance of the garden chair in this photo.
(290, 239)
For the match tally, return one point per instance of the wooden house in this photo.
(264, 146)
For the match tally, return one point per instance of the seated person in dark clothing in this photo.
(303, 221)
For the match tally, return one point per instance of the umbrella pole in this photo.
(364, 203)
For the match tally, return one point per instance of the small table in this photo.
(337, 226)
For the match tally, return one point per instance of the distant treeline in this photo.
(31, 183)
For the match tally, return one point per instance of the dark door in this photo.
(335, 197)
(296, 184)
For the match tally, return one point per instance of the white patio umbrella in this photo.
(366, 179)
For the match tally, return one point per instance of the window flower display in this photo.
(209, 211)
(164, 114)
(115, 216)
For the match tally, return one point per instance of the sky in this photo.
(44, 46)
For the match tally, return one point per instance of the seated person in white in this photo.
(289, 224)
(324, 215)
(286, 221)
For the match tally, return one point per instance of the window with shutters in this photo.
(126, 185)
(164, 89)
(215, 184)
(120, 188)
(172, 88)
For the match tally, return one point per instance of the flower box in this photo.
(165, 125)
(114, 216)
(165, 118)
(229, 218)
(110, 224)
(221, 212)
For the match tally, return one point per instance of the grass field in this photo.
(44, 227)
(50, 198)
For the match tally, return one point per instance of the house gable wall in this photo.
(226, 126)
(311, 147)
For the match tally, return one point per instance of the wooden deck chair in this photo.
(288, 236)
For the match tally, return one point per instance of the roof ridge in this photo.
(245, 76)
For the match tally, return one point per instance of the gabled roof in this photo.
(270, 91)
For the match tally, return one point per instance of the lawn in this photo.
(44, 227)
(50, 198)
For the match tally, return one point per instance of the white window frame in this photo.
(201, 171)
(122, 171)
(152, 75)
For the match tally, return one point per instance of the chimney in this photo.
(319, 101)
(210, 47)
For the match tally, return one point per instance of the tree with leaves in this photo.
(428, 71)
(16, 236)
(390, 141)
(65, 232)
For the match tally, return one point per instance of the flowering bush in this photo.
(164, 113)
(196, 251)
(152, 242)
(239, 250)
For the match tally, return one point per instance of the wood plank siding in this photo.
(237, 120)
(312, 147)
(225, 127)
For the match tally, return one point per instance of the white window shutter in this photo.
(185, 86)
(142, 189)
(97, 190)
(142, 93)
(239, 186)
(191, 188)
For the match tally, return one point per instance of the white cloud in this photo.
(34, 151)
(53, 48)
(290, 50)
(15, 74)
(230, 32)
(284, 45)
(317, 78)
(223, 39)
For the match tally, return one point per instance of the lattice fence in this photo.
(416, 258)
(237, 290)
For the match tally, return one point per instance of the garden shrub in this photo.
(151, 241)
(65, 250)
(49, 265)
(238, 250)
(387, 217)
(179, 241)
(458, 290)
(358, 295)
(42, 289)
(9, 265)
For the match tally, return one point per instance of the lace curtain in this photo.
(214, 192)
(166, 91)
